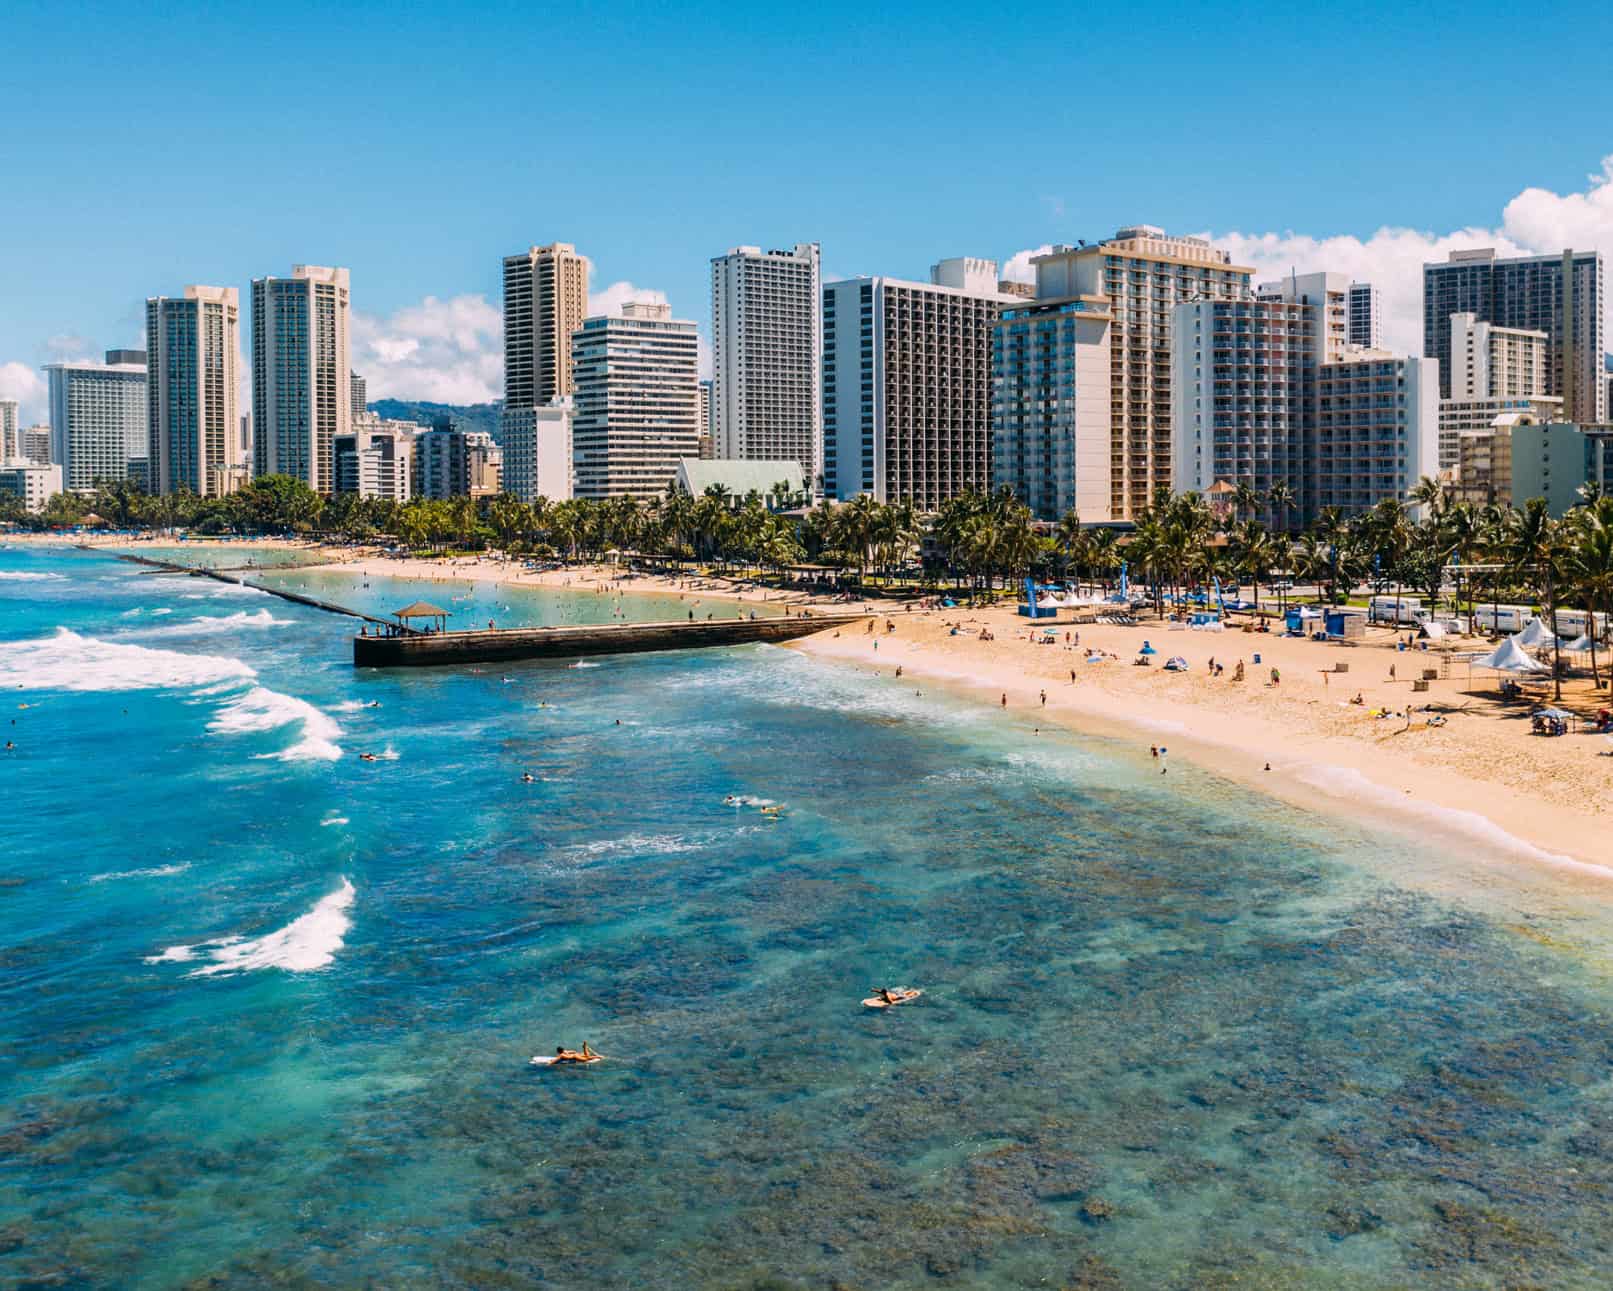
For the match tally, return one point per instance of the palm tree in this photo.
(1281, 498)
(1254, 553)
(1536, 549)
(1245, 501)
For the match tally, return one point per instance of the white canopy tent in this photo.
(1579, 645)
(1534, 633)
(1509, 656)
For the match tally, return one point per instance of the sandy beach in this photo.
(1480, 776)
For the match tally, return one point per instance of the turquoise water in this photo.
(266, 1009)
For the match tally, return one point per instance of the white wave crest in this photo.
(333, 820)
(155, 872)
(22, 576)
(261, 709)
(68, 661)
(304, 945)
(211, 625)
(584, 663)
(747, 800)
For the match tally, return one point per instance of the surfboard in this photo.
(874, 1002)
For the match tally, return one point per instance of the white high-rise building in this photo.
(538, 452)
(193, 443)
(1144, 274)
(907, 384)
(98, 420)
(1377, 429)
(1050, 423)
(1366, 316)
(767, 349)
(637, 401)
(1489, 362)
(1328, 295)
(10, 430)
(302, 386)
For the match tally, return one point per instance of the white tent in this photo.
(1509, 657)
(1579, 645)
(1534, 633)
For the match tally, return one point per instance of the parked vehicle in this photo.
(1503, 618)
(1398, 611)
(1573, 623)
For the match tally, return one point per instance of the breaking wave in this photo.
(68, 661)
(261, 709)
(304, 945)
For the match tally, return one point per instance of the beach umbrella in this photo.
(1147, 649)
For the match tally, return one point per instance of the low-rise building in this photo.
(33, 485)
(779, 484)
(538, 452)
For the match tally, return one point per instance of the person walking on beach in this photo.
(1044, 699)
(1162, 767)
(1005, 699)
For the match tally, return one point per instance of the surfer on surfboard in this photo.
(887, 996)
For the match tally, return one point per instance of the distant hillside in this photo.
(470, 416)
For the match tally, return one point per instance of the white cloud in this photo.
(444, 351)
(1535, 222)
(1017, 268)
(611, 300)
(20, 382)
(68, 348)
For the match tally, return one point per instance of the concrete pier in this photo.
(436, 649)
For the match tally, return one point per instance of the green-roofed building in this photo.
(738, 479)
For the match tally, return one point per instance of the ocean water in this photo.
(266, 1009)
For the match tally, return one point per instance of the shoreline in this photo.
(1357, 775)
(1549, 810)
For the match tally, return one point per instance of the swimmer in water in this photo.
(527, 778)
(368, 757)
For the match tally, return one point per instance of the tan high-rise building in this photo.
(1144, 274)
(302, 388)
(545, 301)
(194, 441)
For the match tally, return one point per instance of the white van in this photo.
(1573, 623)
(1398, 611)
(1501, 619)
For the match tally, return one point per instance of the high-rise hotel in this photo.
(766, 351)
(301, 374)
(98, 425)
(907, 384)
(637, 401)
(1560, 295)
(545, 301)
(1063, 436)
(193, 440)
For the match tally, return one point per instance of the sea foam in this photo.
(304, 945)
(262, 709)
(22, 576)
(68, 661)
(155, 872)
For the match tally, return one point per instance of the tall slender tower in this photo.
(10, 444)
(194, 426)
(767, 356)
(301, 373)
(545, 301)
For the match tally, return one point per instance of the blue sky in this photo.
(143, 148)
